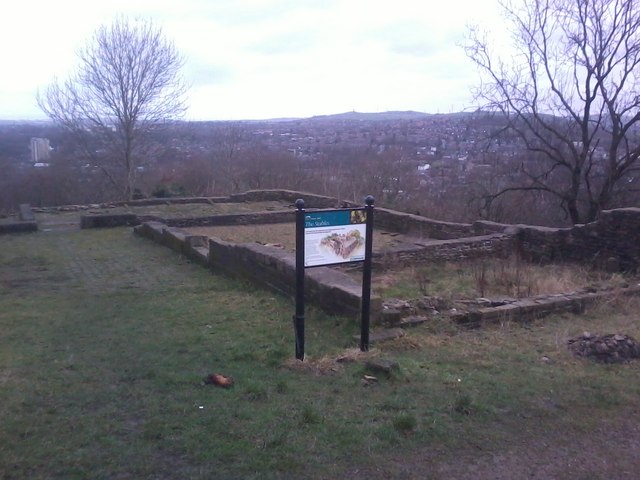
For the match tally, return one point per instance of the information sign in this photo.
(334, 236)
(327, 237)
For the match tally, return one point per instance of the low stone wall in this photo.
(106, 220)
(25, 222)
(258, 218)
(420, 226)
(18, 227)
(311, 200)
(274, 268)
(531, 308)
(612, 242)
(330, 290)
(496, 245)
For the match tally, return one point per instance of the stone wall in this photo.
(257, 218)
(612, 242)
(271, 267)
(107, 220)
(495, 245)
(420, 226)
(312, 201)
(17, 226)
(384, 218)
(24, 223)
(527, 309)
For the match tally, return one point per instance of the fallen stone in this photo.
(25, 213)
(391, 316)
(396, 304)
(381, 365)
(383, 335)
(412, 321)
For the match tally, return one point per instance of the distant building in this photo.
(40, 150)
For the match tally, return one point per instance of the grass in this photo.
(106, 338)
(482, 277)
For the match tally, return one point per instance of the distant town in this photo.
(436, 164)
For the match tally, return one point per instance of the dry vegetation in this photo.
(511, 277)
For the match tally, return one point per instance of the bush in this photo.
(169, 190)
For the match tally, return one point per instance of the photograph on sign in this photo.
(335, 236)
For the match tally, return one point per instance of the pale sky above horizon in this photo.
(253, 59)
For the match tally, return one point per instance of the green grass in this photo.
(105, 339)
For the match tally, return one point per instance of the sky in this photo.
(258, 59)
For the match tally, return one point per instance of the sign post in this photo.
(298, 319)
(366, 276)
(329, 237)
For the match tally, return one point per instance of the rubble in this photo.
(612, 348)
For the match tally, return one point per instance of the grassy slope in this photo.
(105, 339)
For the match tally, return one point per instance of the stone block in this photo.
(25, 213)
(18, 227)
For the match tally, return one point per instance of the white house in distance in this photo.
(40, 151)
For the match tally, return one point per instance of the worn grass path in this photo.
(105, 340)
(105, 337)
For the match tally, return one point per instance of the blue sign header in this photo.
(334, 218)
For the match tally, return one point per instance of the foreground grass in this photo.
(106, 338)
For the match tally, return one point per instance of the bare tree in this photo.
(127, 83)
(571, 92)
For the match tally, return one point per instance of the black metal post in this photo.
(298, 319)
(366, 276)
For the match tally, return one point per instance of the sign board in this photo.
(327, 237)
(334, 236)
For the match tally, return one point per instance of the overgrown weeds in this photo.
(486, 277)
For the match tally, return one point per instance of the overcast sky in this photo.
(251, 59)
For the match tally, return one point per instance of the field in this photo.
(106, 338)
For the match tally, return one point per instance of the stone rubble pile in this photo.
(612, 348)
